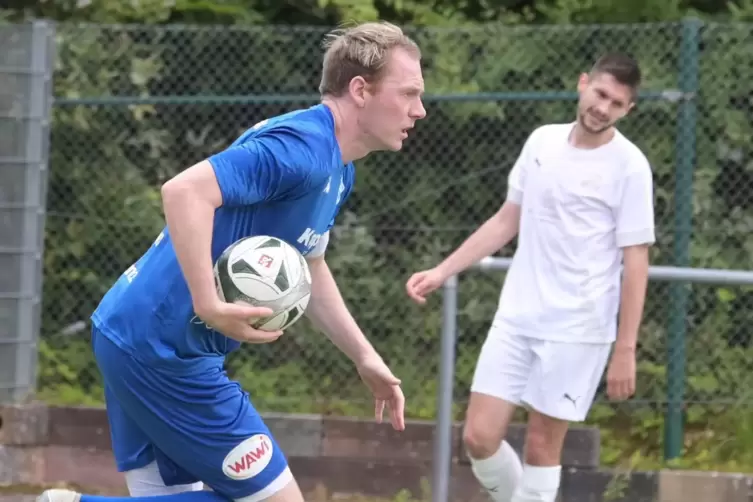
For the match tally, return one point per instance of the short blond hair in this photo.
(361, 50)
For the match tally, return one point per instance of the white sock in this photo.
(499, 474)
(538, 484)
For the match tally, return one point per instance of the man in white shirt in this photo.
(580, 200)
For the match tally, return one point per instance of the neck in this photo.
(582, 138)
(347, 130)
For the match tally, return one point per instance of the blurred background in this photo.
(102, 102)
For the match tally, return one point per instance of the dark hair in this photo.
(621, 66)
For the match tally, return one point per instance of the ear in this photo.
(357, 89)
(583, 81)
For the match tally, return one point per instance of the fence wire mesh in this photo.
(135, 105)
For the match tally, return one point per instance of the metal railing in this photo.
(674, 426)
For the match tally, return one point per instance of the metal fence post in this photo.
(686, 149)
(26, 70)
(443, 431)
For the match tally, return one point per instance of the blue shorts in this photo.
(196, 429)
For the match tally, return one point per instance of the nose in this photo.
(602, 108)
(418, 111)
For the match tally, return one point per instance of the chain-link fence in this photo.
(135, 105)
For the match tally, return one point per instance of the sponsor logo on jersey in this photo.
(309, 238)
(249, 458)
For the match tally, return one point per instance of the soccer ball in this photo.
(268, 272)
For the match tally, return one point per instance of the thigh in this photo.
(565, 378)
(504, 366)
(203, 427)
(130, 445)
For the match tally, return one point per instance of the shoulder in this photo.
(553, 130)
(548, 132)
(301, 141)
(311, 129)
(632, 160)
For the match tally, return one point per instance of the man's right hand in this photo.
(234, 321)
(422, 283)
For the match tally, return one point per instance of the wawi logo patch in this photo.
(249, 458)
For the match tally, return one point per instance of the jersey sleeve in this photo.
(348, 180)
(269, 166)
(516, 179)
(321, 246)
(635, 211)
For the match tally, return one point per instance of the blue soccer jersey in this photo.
(168, 398)
(283, 177)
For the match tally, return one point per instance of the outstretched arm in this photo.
(328, 312)
(494, 234)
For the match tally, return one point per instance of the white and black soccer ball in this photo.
(267, 272)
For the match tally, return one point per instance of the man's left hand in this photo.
(386, 390)
(621, 374)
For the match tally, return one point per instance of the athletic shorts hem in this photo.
(130, 465)
(280, 482)
(548, 412)
(559, 380)
(495, 393)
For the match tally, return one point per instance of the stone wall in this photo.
(42, 446)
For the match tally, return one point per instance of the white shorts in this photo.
(557, 379)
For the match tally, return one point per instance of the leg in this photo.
(499, 381)
(202, 427)
(134, 453)
(563, 384)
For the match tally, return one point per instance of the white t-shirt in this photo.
(579, 207)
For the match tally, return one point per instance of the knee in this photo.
(481, 441)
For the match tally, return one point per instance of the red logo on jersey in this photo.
(246, 462)
(266, 260)
(249, 458)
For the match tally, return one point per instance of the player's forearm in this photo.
(633, 295)
(328, 312)
(489, 238)
(190, 218)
